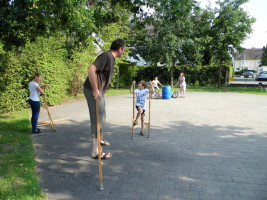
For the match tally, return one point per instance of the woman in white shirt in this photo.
(34, 100)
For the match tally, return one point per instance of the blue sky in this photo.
(258, 10)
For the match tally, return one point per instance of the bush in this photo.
(127, 72)
(197, 76)
(62, 65)
(13, 94)
(147, 73)
(78, 64)
(48, 57)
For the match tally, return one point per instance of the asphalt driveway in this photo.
(206, 146)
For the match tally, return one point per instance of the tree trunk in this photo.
(226, 78)
(220, 73)
(118, 78)
(172, 67)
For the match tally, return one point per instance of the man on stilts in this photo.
(95, 86)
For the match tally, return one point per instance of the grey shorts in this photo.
(92, 111)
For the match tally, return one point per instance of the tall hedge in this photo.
(198, 75)
(13, 94)
(48, 57)
(62, 65)
(126, 73)
(78, 64)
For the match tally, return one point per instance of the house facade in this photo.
(249, 59)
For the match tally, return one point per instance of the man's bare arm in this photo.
(92, 75)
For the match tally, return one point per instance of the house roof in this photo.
(249, 54)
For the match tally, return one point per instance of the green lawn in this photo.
(248, 90)
(117, 92)
(18, 179)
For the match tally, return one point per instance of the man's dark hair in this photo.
(116, 44)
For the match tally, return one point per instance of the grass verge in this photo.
(248, 90)
(18, 178)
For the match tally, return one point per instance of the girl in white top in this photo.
(34, 100)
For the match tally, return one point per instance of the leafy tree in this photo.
(165, 33)
(199, 50)
(78, 62)
(25, 20)
(109, 34)
(230, 27)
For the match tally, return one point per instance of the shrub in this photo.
(198, 75)
(48, 57)
(78, 64)
(62, 65)
(13, 94)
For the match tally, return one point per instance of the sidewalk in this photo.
(246, 82)
(206, 146)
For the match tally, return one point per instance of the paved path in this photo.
(246, 82)
(206, 146)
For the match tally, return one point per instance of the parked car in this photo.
(261, 76)
(247, 74)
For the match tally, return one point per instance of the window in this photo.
(244, 62)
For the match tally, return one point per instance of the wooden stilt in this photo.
(133, 121)
(99, 146)
(149, 113)
(49, 115)
(150, 94)
(55, 121)
(43, 124)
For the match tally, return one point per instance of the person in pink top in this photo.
(182, 85)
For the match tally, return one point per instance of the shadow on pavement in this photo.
(179, 161)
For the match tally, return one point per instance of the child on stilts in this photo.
(140, 104)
